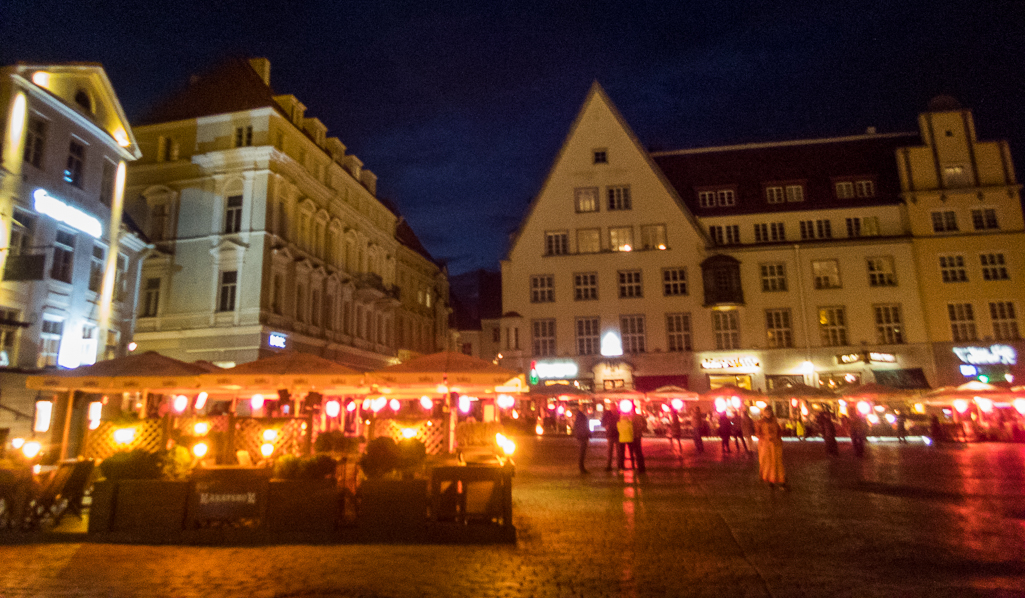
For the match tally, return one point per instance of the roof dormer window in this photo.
(83, 100)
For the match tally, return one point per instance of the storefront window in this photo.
(838, 380)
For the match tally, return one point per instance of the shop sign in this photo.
(277, 340)
(993, 354)
(556, 370)
(729, 363)
(867, 357)
(62, 212)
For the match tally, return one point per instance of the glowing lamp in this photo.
(442, 389)
(464, 404)
(880, 408)
(394, 404)
(561, 410)
(890, 418)
(804, 410)
(720, 404)
(755, 411)
(256, 402)
(269, 435)
(266, 449)
(44, 410)
(539, 429)
(124, 435)
(1019, 406)
(201, 428)
(200, 401)
(17, 443)
(200, 449)
(350, 406)
(507, 446)
(132, 346)
(409, 432)
(551, 406)
(626, 406)
(873, 419)
(627, 248)
(122, 138)
(332, 408)
(919, 408)
(960, 405)
(985, 405)
(31, 449)
(864, 408)
(426, 402)
(41, 78)
(760, 404)
(95, 411)
(379, 404)
(677, 404)
(367, 404)
(735, 401)
(505, 401)
(665, 408)
(181, 403)
(515, 414)
(793, 403)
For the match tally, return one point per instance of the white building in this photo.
(270, 236)
(70, 264)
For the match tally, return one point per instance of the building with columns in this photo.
(70, 262)
(268, 235)
(882, 258)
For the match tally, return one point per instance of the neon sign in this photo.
(556, 369)
(868, 356)
(992, 354)
(277, 340)
(62, 212)
(729, 363)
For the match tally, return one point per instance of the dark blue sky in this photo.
(460, 108)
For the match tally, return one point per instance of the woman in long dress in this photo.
(770, 450)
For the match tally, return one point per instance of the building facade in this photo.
(70, 263)
(824, 262)
(269, 236)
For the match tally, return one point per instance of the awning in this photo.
(651, 383)
(902, 378)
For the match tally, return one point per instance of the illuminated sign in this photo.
(611, 346)
(993, 354)
(62, 212)
(548, 370)
(969, 370)
(868, 357)
(729, 363)
(277, 340)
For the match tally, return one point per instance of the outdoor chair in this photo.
(63, 492)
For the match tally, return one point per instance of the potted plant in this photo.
(141, 492)
(303, 495)
(392, 500)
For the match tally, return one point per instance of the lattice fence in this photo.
(101, 443)
(292, 435)
(431, 432)
(186, 426)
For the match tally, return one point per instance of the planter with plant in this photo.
(303, 495)
(141, 492)
(392, 500)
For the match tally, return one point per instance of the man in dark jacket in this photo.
(640, 426)
(610, 421)
(582, 432)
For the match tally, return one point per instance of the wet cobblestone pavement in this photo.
(904, 521)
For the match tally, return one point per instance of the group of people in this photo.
(624, 434)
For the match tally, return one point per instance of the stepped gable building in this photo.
(269, 236)
(70, 261)
(881, 258)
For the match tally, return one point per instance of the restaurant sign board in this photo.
(730, 363)
(866, 357)
(228, 499)
(993, 354)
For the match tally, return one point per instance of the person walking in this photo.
(675, 431)
(747, 429)
(724, 431)
(828, 433)
(696, 421)
(582, 432)
(902, 428)
(770, 450)
(626, 441)
(640, 424)
(738, 433)
(610, 421)
(858, 433)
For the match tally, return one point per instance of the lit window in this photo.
(76, 160)
(826, 274)
(49, 342)
(589, 240)
(833, 326)
(621, 238)
(586, 199)
(653, 236)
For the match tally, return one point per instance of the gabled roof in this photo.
(817, 163)
(232, 86)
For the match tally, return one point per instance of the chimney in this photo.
(868, 131)
(262, 68)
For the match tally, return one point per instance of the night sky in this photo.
(460, 108)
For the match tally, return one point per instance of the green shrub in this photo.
(136, 464)
(286, 467)
(317, 467)
(412, 453)
(380, 458)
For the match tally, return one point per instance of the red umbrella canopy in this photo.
(149, 370)
(447, 367)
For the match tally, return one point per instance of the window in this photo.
(1005, 323)
(854, 227)
(955, 175)
(158, 219)
(63, 256)
(629, 284)
(721, 280)
(774, 277)
(833, 326)
(674, 282)
(585, 286)
(50, 342)
(795, 193)
(706, 199)
(826, 274)
(151, 298)
(244, 136)
(544, 338)
(35, 141)
(774, 194)
(726, 326)
(89, 344)
(844, 190)
(300, 310)
(229, 284)
(952, 268)
(586, 199)
(107, 183)
(121, 278)
(588, 240)
(778, 329)
(984, 219)
(865, 188)
(962, 321)
(8, 336)
(678, 332)
(315, 307)
(944, 222)
(96, 268)
(542, 289)
(773, 231)
(653, 236)
(888, 326)
(619, 198)
(993, 266)
(621, 238)
(23, 230)
(719, 197)
(880, 272)
(557, 243)
(233, 215)
(601, 157)
(725, 235)
(588, 341)
(632, 330)
(76, 159)
(816, 229)
(82, 99)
